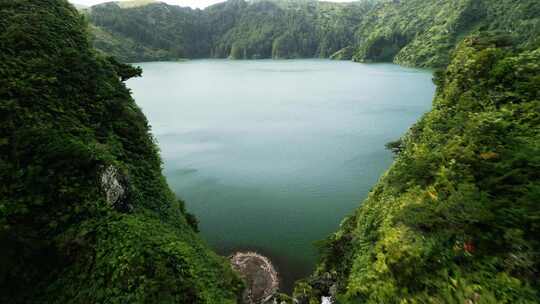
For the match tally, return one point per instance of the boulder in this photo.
(259, 275)
(114, 185)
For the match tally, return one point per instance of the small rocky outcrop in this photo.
(321, 287)
(114, 185)
(326, 300)
(259, 274)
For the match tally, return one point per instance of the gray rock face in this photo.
(259, 274)
(333, 291)
(114, 185)
(326, 300)
(324, 287)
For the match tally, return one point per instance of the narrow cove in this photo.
(271, 155)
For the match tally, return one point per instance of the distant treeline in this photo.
(414, 32)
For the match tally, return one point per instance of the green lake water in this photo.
(271, 155)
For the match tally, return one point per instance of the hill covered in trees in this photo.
(85, 214)
(456, 218)
(409, 32)
(236, 29)
(424, 33)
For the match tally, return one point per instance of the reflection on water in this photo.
(271, 155)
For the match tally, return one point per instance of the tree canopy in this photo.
(456, 218)
(409, 32)
(70, 133)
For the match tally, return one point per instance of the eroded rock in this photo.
(326, 300)
(114, 185)
(259, 274)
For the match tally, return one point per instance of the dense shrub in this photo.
(456, 218)
(66, 115)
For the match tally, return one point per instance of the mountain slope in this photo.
(85, 214)
(236, 29)
(456, 218)
(156, 31)
(424, 33)
(409, 32)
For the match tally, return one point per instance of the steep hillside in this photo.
(236, 29)
(424, 33)
(289, 29)
(154, 31)
(456, 219)
(85, 213)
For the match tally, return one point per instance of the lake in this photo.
(271, 155)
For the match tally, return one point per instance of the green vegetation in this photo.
(67, 122)
(456, 219)
(289, 29)
(408, 32)
(155, 31)
(237, 29)
(424, 33)
(125, 49)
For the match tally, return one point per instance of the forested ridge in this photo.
(456, 218)
(235, 29)
(85, 214)
(425, 33)
(409, 32)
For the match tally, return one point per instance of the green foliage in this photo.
(123, 48)
(155, 31)
(424, 33)
(409, 32)
(125, 71)
(456, 218)
(284, 299)
(235, 29)
(66, 115)
(395, 146)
